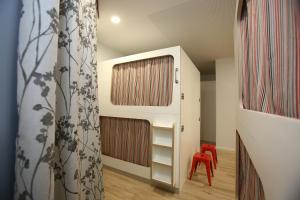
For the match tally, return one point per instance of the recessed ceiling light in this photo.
(115, 19)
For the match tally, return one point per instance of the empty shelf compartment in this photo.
(162, 155)
(163, 137)
(162, 173)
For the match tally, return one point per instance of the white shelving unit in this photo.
(162, 171)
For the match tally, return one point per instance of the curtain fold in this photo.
(58, 143)
(270, 56)
(146, 82)
(248, 185)
(126, 139)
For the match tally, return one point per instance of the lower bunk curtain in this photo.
(126, 139)
(248, 183)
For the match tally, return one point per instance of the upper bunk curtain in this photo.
(143, 83)
(270, 56)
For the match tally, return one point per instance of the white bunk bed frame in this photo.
(180, 113)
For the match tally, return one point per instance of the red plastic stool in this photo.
(197, 159)
(212, 149)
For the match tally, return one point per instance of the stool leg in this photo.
(216, 155)
(196, 164)
(214, 160)
(193, 167)
(208, 172)
(211, 168)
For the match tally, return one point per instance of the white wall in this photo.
(107, 53)
(190, 113)
(226, 101)
(208, 111)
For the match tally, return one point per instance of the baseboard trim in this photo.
(139, 178)
(144, 180)
(128, 167)
(207, 142)
(225, 148)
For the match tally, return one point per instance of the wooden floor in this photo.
(121, 187)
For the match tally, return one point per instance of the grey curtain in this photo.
(58, 142)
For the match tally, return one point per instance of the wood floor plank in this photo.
(121, 187)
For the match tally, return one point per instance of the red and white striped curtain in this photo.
(248, 185)
(126, 139)
(270, 56)
(143, 83)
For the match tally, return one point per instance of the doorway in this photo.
(208, 108)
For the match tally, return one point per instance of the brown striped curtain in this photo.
(143, 83)
(126, 139)
(270, 56)
(248, 186)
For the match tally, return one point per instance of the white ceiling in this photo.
(204, 28)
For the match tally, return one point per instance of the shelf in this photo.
(163, 145)
(162, 163)
(163, 125)
(162, 174)
(162, 180)
(162, 152)
(162, 155)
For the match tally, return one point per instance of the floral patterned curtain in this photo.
(58, 143)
